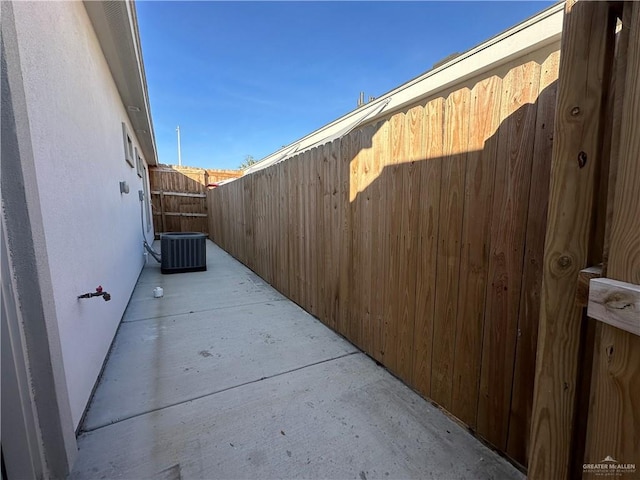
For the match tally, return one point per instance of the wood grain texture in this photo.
(475, 244)
(454, 166)
(248, 203)
(336, 230)
(585, 41)
(283, 237)
(367, 176)
(303, 226)
(582, 289)
(379, 239)
(284, 241)
(311, 224)
(393, 186)
(614, 416)
(615, 303)
(529, 311)
(625, 241)
(324, 241)
(345, 235)
(356, 259)
(292, 227)
(408, 239)
(612, 133)
(508, 232)
(426, 281)
(298, 178)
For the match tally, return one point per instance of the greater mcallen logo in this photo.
(609, 466)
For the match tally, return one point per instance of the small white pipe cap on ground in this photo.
(158, 292)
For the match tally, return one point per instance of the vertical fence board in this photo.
(274, 184)
(508, 224)
(393, 185)
(527, 333)
(303, 228)
(456, 137)
(345, 235)
(475, 245)
(320, 241)
(379, 239)
(402, 167)
(291, 170)
(314, 226)
(321, 231)
(429, 206)
(248, 198)
(366, 261)
(268, 222)
(325, 258)
(356, 176)
(413, 154)
(614, 416)
(284, 232)
(298, 179)
(310, 221)
(336, 230)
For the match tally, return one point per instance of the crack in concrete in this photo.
(204, 310)
(93, 429)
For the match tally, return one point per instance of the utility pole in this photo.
(179, 154)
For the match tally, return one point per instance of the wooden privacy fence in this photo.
(420, 239)
(586, 415)
(178, 196)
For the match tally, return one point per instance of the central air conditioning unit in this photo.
(183, 252)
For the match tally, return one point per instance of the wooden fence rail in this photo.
(420, 238)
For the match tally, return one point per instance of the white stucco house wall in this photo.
(77, 138)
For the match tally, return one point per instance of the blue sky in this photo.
(245, 78)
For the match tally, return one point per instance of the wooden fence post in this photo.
(162, 212)
(587, 41)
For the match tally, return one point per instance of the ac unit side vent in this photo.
(183, 252)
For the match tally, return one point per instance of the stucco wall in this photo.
(93, 232)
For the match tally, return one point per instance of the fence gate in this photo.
(179, 197)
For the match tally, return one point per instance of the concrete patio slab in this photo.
(345, 418)
(221, 285)
(160, 362)
(251, 386)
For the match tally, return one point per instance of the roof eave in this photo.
(116, 27)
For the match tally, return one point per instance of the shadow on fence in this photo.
(420, 239)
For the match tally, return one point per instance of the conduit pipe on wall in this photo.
(146, 245)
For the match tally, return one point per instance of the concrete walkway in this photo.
(224, 378)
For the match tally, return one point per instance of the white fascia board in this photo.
(539, 31)
(142, 77)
